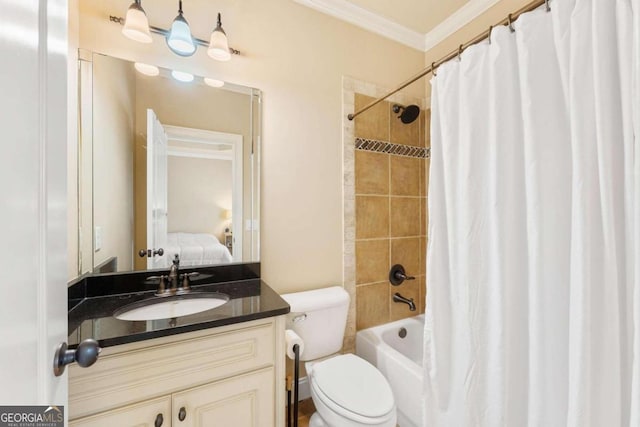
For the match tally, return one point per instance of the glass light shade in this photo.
(179, 38)
(136, 24)
(181, 76)
(219, 46)
(213, 82)
(146, 69)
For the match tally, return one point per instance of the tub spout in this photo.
(409, 301)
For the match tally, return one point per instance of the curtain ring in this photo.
(489, 33)
(459, 52)
(433, 69)
(546, 5)
(510, 23)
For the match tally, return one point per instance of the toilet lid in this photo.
(355, 385)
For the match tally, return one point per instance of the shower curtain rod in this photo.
(434, 65)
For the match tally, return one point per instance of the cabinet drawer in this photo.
(152, 413)
(162, 367)
(244, 401)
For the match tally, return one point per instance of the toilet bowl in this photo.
(347, 391)
(350, 392)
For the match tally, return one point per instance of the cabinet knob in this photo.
(159, 420)
(182, 414)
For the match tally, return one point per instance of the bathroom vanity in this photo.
(223, 366)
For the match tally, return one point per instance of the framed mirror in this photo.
(168, 164)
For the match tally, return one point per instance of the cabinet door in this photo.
(150, 413)
(241, 401)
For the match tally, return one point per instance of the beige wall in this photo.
(113, 136)
(298, 57)
(199, 193)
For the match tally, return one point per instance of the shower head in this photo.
(408, 114)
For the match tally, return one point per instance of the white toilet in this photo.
(347, 391)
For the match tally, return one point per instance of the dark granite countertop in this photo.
(91, 315)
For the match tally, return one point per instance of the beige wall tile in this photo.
(405, 134)
(372, 261)
(405, 216)
(405, 176)
(372, 305)
(408, 289)
(424, 216)
(407, 252)
(373, 123)
(423, 255)
(372, 217)
(424, 177)
(427, 127)
(372, 173)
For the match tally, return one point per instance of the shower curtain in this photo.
(533, 306)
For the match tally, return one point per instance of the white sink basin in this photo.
(173, 306)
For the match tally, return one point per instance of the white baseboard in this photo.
(304, 392)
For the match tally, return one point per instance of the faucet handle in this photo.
(176, 260)
(397, 275)
(186, 287)
(162, 286)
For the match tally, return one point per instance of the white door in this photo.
(157, 191)
(33, 206)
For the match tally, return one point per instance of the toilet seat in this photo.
(354, 389)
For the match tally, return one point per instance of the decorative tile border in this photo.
(394, 149)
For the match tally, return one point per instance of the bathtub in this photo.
(400, 361)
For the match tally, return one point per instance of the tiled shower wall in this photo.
(385, 206)
(391, 218)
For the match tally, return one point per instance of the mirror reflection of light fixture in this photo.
(136, 24)
(146, 69)
(179, 39)
(219, 45)
(213, 82)
(181, 76)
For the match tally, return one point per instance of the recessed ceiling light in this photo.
(146, 69)
(213, 82)
(181, 76)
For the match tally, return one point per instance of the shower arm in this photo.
(456, 53)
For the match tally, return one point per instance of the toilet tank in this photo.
(319, 317)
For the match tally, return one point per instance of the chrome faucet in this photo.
(399, 298)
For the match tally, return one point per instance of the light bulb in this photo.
(219, 45)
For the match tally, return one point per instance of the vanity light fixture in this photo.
(181, 76)
(213, 82)
(147, 69)
(219, 45)
(136, 24)
(179, 39)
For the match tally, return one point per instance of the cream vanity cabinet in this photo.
(229, 376)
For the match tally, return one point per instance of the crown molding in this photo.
(461, 17)
(375, 23)
(367, 20)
